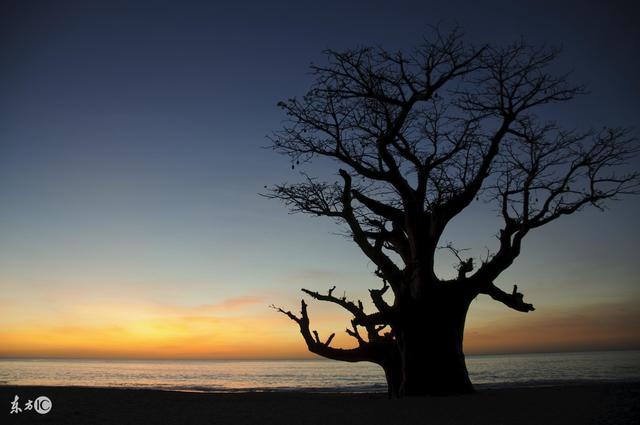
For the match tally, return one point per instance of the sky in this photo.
(132, 155)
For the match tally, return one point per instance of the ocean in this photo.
(486, 371)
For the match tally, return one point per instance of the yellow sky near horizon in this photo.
(245, 328)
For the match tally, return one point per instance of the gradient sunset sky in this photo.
(131, 159)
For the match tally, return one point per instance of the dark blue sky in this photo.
(131, 135)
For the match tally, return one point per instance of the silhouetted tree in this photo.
(420, 136)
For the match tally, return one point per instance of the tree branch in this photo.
(323, 349)
(513, 300)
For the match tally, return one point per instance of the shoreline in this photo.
(594, 403)
(369, 390)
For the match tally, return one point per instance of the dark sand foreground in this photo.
(579, 404)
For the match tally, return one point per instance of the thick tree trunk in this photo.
(393, 374)
(430, 343)
(392, 366)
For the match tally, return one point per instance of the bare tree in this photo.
(420, 137)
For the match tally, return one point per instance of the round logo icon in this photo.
(42, 405)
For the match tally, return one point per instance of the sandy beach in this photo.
(617, 403)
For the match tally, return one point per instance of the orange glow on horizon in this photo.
(243, 328)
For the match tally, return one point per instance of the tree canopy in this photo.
(418, 137)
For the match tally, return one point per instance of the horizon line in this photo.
(315, 358)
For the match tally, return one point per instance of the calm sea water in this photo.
(313, 375)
